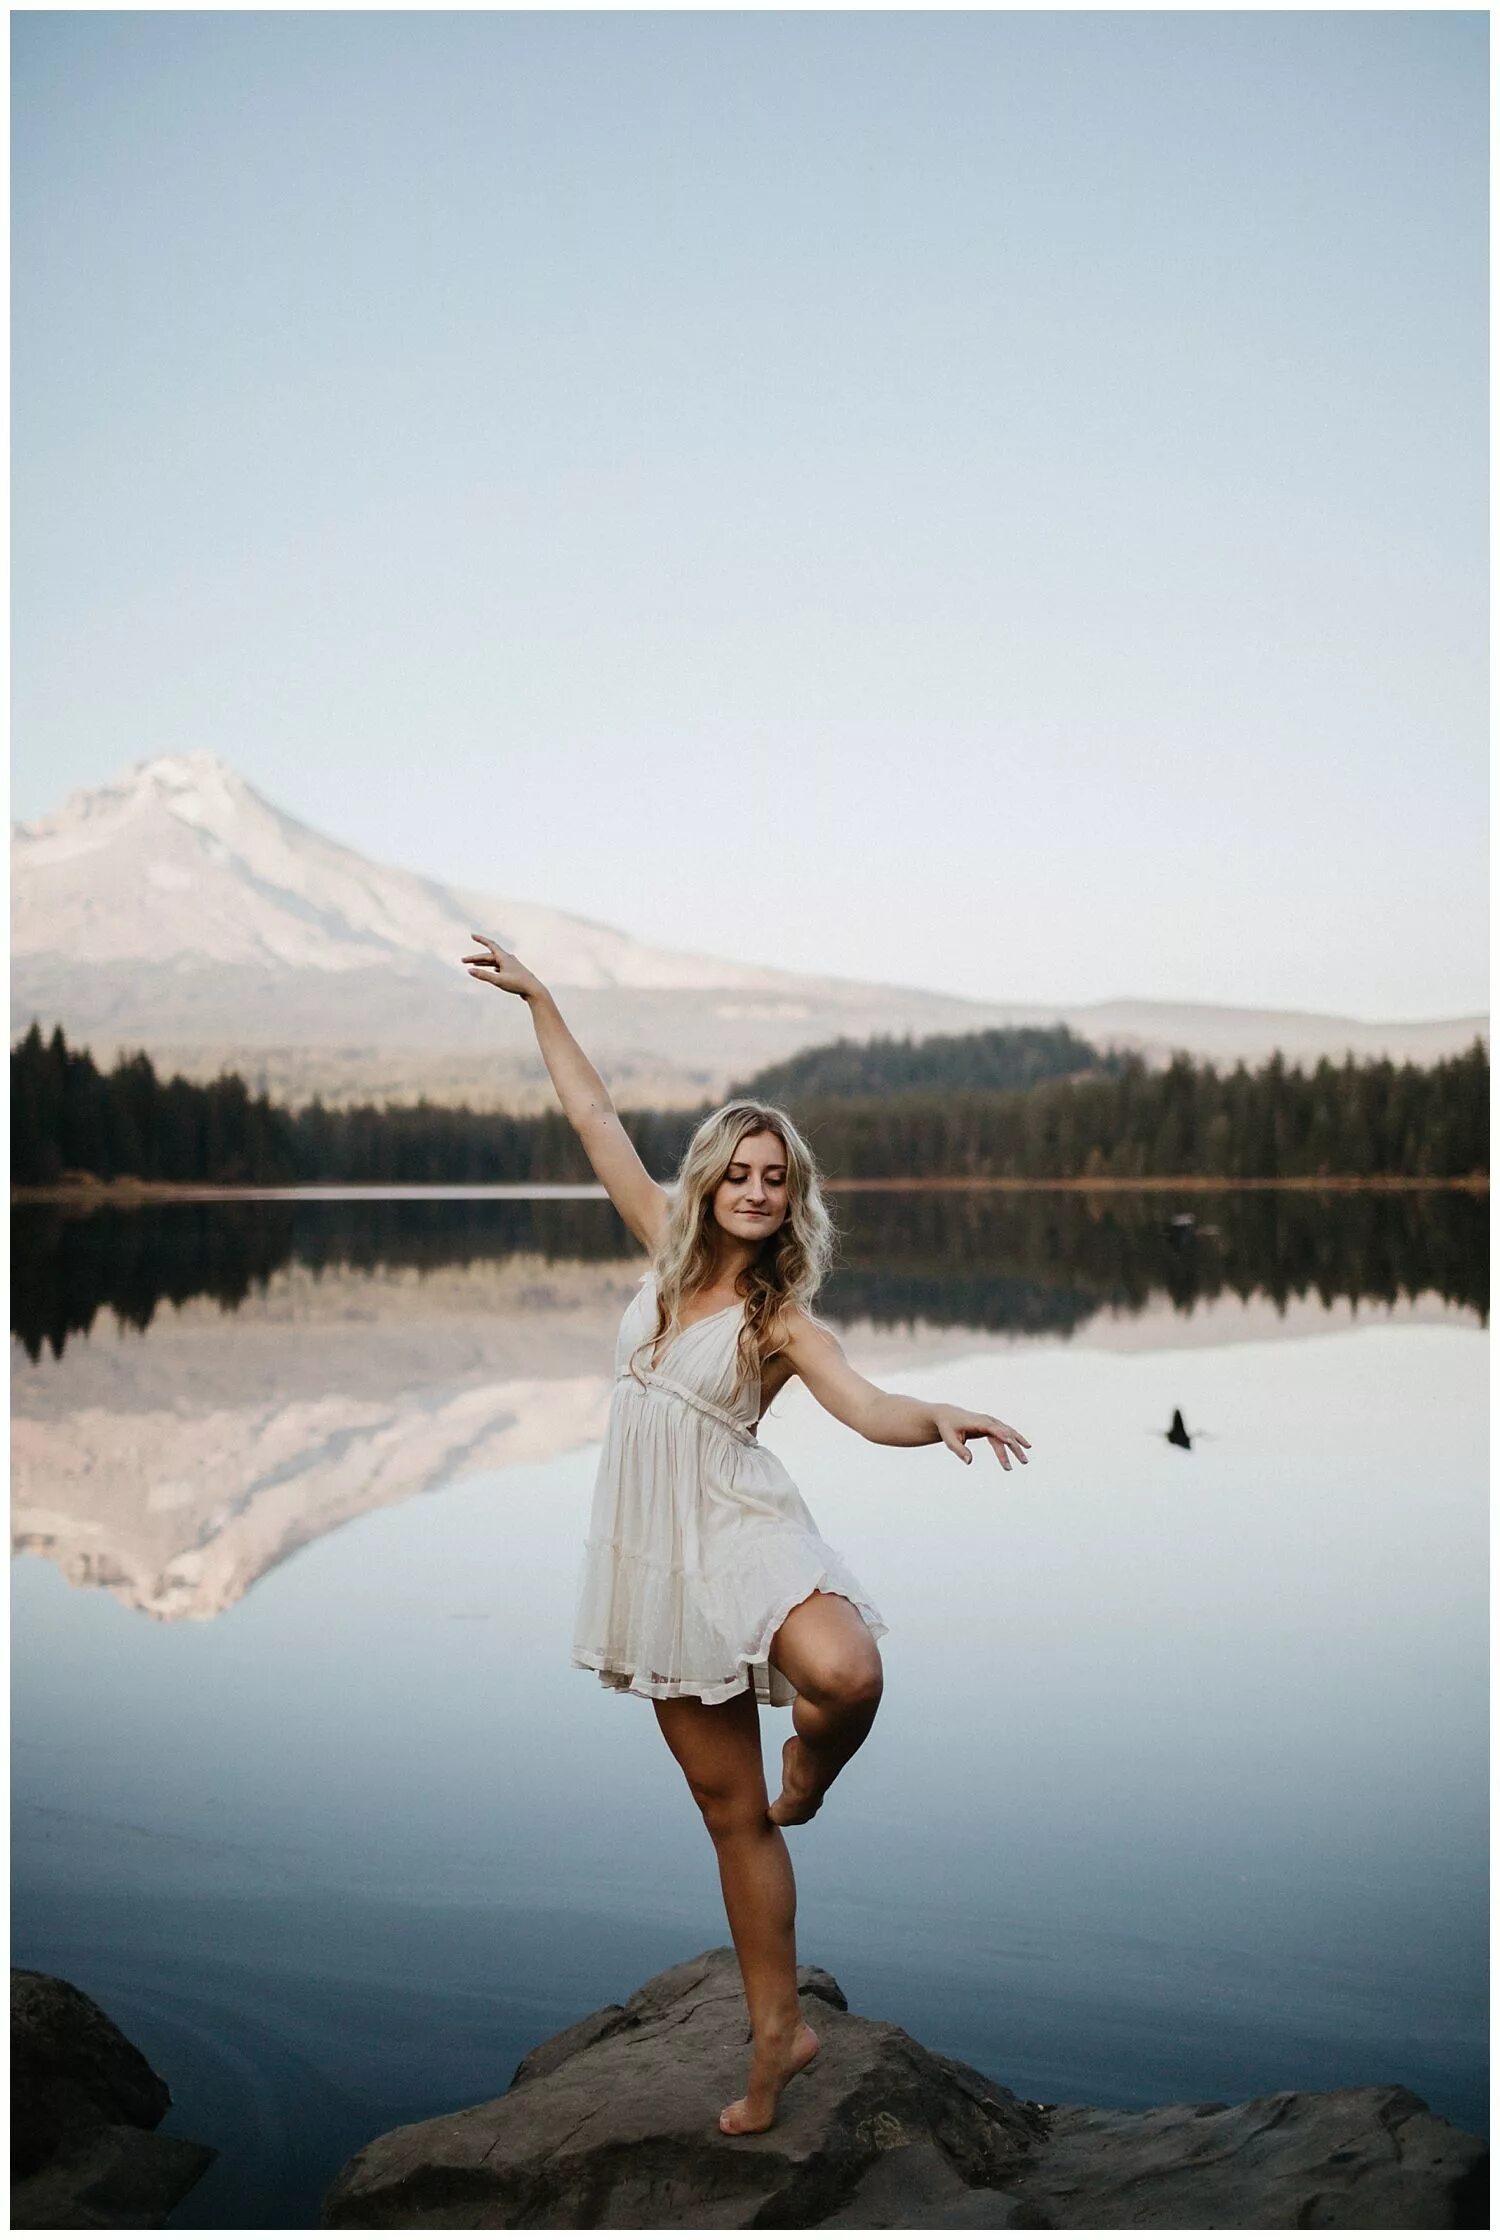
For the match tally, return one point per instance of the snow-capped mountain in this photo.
(182, 860)
(178, 911)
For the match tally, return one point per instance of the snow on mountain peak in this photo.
(181, 859)
(198, 789)
(178, 770)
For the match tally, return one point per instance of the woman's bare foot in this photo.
(800, 1796)
(770, 2069)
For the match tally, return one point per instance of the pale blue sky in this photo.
(990, 502)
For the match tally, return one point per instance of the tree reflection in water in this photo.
(1033, 1261)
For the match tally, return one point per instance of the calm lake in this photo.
(1178, 1789)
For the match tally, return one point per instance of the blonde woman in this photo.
(704, 1584)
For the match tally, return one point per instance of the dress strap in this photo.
(697, 1400)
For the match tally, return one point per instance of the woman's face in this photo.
(750, 1202)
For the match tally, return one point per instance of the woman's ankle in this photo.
(775, 2028)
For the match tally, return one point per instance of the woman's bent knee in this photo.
(849, 1683)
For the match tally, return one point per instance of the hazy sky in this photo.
(988, 502)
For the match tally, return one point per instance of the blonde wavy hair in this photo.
(791, 1264)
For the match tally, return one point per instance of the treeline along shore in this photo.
(1047, 1108)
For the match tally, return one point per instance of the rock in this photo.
(114, 2179)
(613, 2123)
(653, 1998)
(84, 2106)
(1366, 2157)
(70, 2068)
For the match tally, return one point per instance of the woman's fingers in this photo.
(1005, 1442)
(491, 963)
(1003, 1437)
(489, 952)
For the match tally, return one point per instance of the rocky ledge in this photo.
(613, 2123)
(84, 2106)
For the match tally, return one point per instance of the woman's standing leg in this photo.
(717, 1746)
(829, 1655)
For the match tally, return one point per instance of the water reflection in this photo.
(272, 1371)
(1186, 1743)
(1052, 1260)
(178, 1469)
(1038, 1261)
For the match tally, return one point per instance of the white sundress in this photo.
(699, 1542)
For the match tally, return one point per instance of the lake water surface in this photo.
(1178, 1789)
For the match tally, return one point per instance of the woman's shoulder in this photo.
(800, 1322)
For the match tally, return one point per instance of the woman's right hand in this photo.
(502, 969)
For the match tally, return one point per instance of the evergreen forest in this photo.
(1111, 1120)
(995, 1058)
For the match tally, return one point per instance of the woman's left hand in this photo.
(955, 1425)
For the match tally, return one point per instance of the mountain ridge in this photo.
(177, 910)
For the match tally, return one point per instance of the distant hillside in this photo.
(995, 1058)
(1117, 1125)
(178, 911)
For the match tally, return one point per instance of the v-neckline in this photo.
(672, 1336)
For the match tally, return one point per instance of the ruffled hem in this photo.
(754, 1669)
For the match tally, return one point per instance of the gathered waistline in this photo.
(657, 1381)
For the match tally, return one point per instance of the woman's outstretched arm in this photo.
(640, 1202)
(889, 1419)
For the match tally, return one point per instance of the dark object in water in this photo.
(1186, 1228)
(1178, 1434)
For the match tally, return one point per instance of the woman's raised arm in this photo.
(640, 1202)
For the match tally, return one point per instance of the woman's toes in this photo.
(736, 2118)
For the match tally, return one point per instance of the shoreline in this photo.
(132, 1192)
(1090, 1184)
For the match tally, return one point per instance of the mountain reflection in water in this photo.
(274, 1370)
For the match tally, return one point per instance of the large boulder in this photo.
(1364, 2158)
(613, 2123)
(85, 2104)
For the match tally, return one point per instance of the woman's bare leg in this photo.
(829, 1655)
(717, 1746)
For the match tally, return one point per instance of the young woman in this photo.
(704, 1584)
